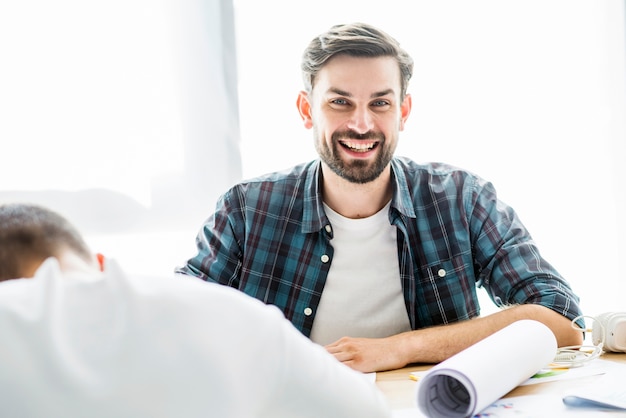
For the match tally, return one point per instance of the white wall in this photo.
(528, 94)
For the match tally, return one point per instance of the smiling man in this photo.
(372, 255)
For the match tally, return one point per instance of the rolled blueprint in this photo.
(471, 380)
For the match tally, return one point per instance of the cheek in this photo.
(321, 126)
(329, 124)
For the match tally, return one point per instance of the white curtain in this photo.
(206, 48)
(123, 116)
(120, 114)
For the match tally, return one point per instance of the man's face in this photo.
(356, 114)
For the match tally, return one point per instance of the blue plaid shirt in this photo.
(270, 238)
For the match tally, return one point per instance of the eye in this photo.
(380, 103)
(339, 102)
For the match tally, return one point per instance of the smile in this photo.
(359, 146)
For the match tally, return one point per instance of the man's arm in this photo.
(435, 344)
(217, 243)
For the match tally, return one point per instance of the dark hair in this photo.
(357, 40)
(30, 233)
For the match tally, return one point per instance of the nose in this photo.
(361, 120)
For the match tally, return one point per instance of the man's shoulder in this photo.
(290, 174)
(278, 184)
(430, 171)
(187, 294)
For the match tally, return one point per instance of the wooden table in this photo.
(400, 389)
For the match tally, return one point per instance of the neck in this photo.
(354, 200)
(73, 265)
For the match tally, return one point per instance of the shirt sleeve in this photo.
(508, 262)
(218, 244)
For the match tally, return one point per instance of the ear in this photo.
(100, 260)
(304, 108)
(405, 110)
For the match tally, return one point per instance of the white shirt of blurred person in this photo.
(78, 340)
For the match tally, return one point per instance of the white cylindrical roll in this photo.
(471, 380)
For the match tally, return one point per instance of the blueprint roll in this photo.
(471, 380)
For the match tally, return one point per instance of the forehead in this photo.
(359, 75)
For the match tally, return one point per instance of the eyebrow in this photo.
(373, 95)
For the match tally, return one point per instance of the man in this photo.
(79, 340)
(374, 256)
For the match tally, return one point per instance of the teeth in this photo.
(359, 146)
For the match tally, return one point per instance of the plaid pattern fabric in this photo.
(270, 238)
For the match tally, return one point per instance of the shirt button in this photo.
(328, 228)
(325, 258)
(441, 273)
(308, 311)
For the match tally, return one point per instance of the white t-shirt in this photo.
(363, 295)
(162, 347)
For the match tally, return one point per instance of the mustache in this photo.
(350, 134)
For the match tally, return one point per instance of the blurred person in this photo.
(82, 339)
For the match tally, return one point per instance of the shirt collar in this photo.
(313, 215)
(314, 218)
(401, 199)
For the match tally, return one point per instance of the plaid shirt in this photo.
(270, 238)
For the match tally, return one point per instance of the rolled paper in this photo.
(468, 382)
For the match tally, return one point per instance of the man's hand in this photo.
(368, 354)
(435, 344)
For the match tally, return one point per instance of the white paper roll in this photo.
(471, 380)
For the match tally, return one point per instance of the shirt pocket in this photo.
(446, 291)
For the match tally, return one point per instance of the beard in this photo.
(356, 170)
